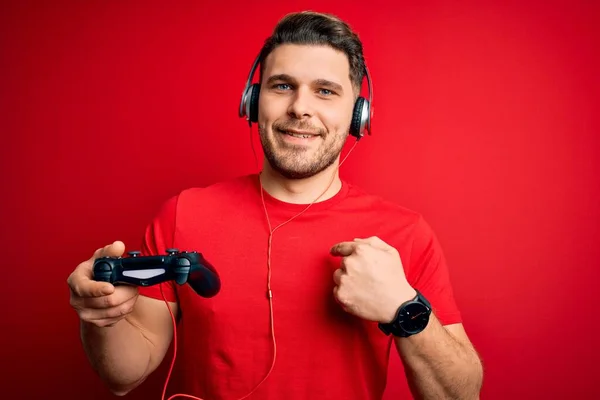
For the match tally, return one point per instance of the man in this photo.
(319, 279)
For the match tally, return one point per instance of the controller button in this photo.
(172, 251)
(134, 253)
(183, 262)
(103, 267)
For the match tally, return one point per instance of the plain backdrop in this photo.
(486, 122)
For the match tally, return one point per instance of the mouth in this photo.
(298, 134)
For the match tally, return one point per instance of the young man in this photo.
(319, 279)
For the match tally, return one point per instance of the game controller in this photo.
(181, 267)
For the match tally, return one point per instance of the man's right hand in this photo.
(100, 303)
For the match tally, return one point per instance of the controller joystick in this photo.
(180, 267)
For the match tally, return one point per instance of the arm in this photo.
(441, 363)
(127, 333)
(126, 353)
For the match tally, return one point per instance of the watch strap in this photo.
(394, 326)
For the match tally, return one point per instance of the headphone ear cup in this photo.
(252, 111)
(358, 117)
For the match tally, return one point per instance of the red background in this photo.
(486, 122)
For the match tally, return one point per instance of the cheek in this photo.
(270, 109)
(337, 119)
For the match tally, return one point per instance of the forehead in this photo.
(308, 62)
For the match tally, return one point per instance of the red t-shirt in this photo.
(224, 343)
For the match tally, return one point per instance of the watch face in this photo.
(414, 317)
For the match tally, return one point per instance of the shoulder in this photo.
(360, 199)
(229, 190)
(392, 221)
(210, 197)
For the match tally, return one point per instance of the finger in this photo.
(336, 296)
(375, 242)
(337, 276)
(121, 295)
(343, 249)
(336, 289)
(115, 249)
(82, 285)
(81, 281)
(93, 314)
(105, 323)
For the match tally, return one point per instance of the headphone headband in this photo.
(370, 111)
(242, 114)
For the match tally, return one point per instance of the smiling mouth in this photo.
(295, 134)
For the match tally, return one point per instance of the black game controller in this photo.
(181, 267)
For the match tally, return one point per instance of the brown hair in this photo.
(313, 28)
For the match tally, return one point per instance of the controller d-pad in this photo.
(184, 262)
(181, 269)
(103, 267)
(102, 271)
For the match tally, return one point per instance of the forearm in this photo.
(438, 366)
(119, 354)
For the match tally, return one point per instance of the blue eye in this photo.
(325, 92)
(282, 86)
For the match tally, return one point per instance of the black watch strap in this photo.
(395, 328)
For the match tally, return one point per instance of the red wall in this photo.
(486, 122)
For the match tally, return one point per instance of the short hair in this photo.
(313, 28)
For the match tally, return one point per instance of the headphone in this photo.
(361, 115)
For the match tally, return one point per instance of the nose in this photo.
(301, 104)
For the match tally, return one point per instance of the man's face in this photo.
(305, 108)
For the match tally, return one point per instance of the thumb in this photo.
(98, 288)
(115, 249)
(375, 242)
(343, 249)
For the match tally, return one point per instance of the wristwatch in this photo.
(411, 318)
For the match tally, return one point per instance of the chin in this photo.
(298, 162)
(294, 174)
(298, 172)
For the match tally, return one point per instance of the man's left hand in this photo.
(370, 282)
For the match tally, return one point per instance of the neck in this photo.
(301, 191)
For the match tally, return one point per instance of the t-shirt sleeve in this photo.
(159, 236)
(428, 272)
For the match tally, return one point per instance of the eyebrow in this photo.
(318, 82)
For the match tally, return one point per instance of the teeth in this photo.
(299, 136)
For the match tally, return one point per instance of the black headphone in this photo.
(361, 115)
